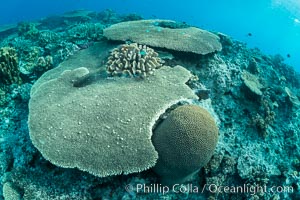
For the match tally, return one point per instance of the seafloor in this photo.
(258, 117)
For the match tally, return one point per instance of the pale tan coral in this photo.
(133, 60)
(10, 192)
(85, 127)
(251, 81)
(155, 33)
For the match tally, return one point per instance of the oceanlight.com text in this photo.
(212, 188)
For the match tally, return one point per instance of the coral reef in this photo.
(34, 63)
(78, 15)
(122, 132)
(56, 37)
(150, 32)
(109, 17)
(262, 161)
(47, 37)
(265, 116)
(242, 158)
(185, 142)
(83, 33)
(9, 72)
(133, 60)
(28, 30)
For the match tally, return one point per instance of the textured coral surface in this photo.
(133, 60)
(185, 142)
(165, 34)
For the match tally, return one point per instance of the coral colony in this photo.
(90, 110)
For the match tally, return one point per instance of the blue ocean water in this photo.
(271, 25)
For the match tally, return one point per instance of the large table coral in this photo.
(105, 127)
(165, 34)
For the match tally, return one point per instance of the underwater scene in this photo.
(150, 100)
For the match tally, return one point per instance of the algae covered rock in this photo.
(103, 128)
(185, 142)
(161, 33)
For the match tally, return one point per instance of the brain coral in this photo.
(9, 72)
(133, 59)
(185, 142)
(103, 128)
(156, 33)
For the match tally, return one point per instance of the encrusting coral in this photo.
(133, 60)
(9, 72)
(252, 83)
(292, 97)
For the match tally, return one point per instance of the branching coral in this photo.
(46, 37)
(133, 60)
(262, 121)
(28, 30)
(33, 61)
(9, 72)
(86, 32)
